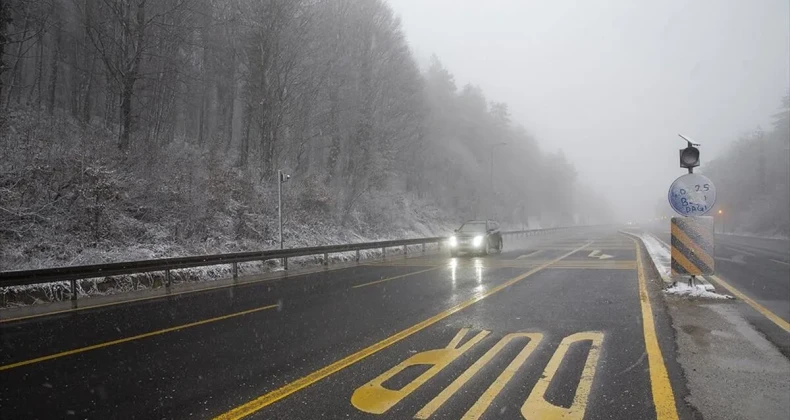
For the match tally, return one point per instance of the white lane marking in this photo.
(529, 255)
(740, 251)
(597, 254)
(737, 258)
(780, 262)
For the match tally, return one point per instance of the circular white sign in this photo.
(692, 195)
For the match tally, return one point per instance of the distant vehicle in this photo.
(477, 237)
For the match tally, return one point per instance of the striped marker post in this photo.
(692, 246)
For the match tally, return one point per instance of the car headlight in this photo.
(477, 241)
(453, 241)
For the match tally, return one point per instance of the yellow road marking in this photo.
(374, 398)
(136, 337)
(394, 277)
(663, 396)
(521, 257)
(759, 308)
(536, 405)
(488, 396)
(273, 396)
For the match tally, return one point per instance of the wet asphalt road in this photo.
(760, 269)
(552, 326)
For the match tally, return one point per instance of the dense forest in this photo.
(753, 180)
(158, 127)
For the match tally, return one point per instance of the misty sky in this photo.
(611, 83)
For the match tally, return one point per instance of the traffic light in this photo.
(689, 157)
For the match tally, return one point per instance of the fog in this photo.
(612, 83)
(393, 119)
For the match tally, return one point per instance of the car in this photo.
(476, 237)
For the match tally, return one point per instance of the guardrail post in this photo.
(423, 247)
(168, 280)
(285, 263)
(326, 258)
(357, 255)
(73, 293)
(235, 271)
(384, 253)
(404, 251)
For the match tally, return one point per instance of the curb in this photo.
(668, 280)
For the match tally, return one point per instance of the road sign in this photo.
(692, 195)
(692, 245)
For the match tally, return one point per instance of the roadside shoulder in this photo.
(729, 369)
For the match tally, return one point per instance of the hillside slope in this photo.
(69, 197)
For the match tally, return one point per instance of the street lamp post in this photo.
(281, 178)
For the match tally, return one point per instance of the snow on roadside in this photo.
(697, 291)
(662, 259)
(659, 253)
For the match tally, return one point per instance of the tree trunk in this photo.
(244, 147)
(231, 106)
(335, 145)
(131, 76)
(88, 101)
(39, 66)
(15, 70)
(3, 40)
(201, 120)
(53, 73)
(126, 111)
(87, 104)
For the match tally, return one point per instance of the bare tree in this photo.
(120, 42)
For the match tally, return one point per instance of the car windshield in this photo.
(475, 227)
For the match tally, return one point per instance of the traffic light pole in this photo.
(689, 159)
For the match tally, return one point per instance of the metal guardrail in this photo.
(74, 273)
